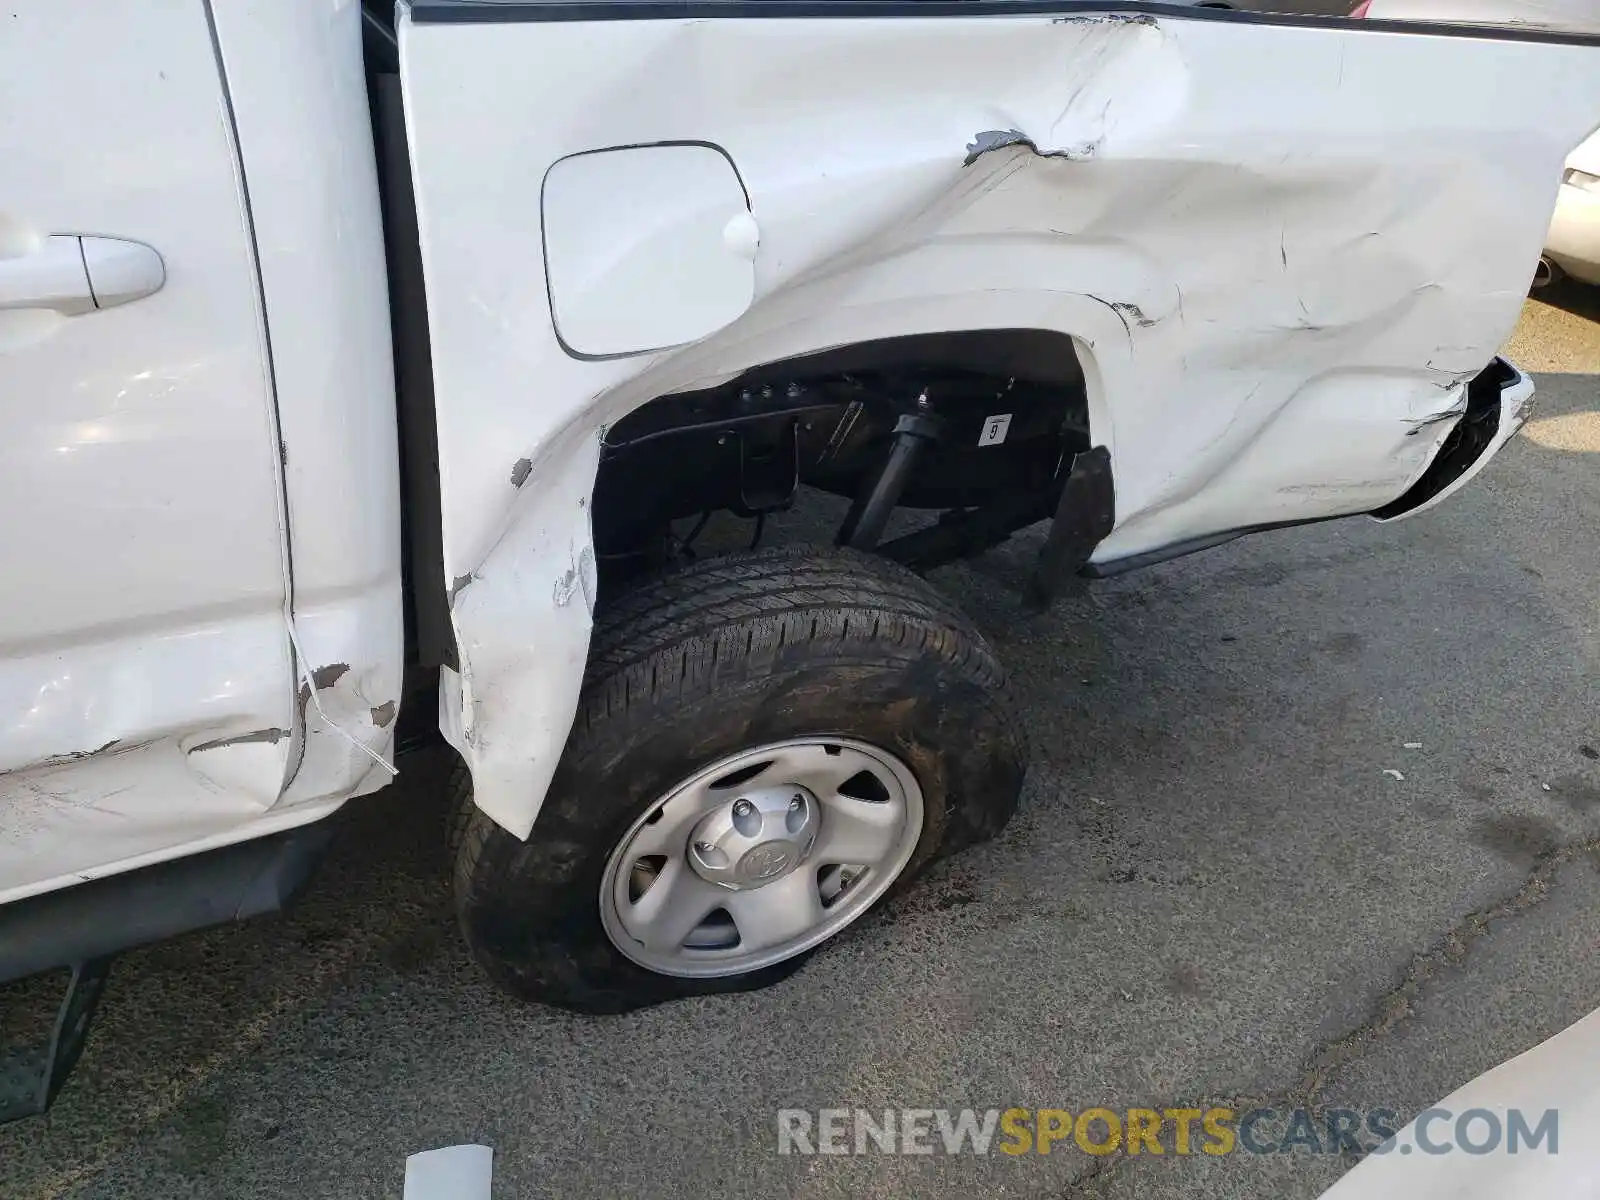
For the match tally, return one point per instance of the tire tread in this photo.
(729, 623)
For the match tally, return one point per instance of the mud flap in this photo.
(1084, 517)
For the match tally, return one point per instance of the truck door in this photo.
(146, 681)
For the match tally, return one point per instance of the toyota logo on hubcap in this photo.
(767, 860)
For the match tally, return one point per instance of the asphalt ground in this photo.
(1216, 893)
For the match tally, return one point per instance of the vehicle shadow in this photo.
(1579, 299)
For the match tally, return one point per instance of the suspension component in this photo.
(869, 514)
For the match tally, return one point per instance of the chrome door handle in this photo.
(74, 274)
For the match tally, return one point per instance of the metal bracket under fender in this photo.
(1084, 517)
(30, 1077)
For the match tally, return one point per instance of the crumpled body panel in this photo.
(1281, 252)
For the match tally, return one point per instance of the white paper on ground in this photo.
(450, 1173)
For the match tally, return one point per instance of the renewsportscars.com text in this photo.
(1178, 1131)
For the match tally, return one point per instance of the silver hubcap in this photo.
(759, 856)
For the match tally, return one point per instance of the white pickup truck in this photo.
(361, 364)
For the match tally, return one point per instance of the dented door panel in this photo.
(1282, 251)
(142, 600)
(166, 661)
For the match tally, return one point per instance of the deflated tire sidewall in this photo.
(531, 910)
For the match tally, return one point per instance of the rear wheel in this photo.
(767, 745)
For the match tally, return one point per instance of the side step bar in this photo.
(85, 926)
(30, 1076)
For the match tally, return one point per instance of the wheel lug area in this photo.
(756, 838)
(745, 818)
(711, 856)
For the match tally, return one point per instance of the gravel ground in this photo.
(1214, 893)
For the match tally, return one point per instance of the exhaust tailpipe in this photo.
(1545, 273)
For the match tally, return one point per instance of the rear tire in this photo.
(702, 665)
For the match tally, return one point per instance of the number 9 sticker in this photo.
(994, 429)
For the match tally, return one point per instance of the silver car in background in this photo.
(1572, 246)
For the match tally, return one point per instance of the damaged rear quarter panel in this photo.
(1280, 251)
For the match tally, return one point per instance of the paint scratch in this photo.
(326, 677)
(998, 139)
(270, 737)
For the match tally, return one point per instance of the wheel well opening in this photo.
(997, 416)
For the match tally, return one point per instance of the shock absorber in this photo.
(869, 512)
